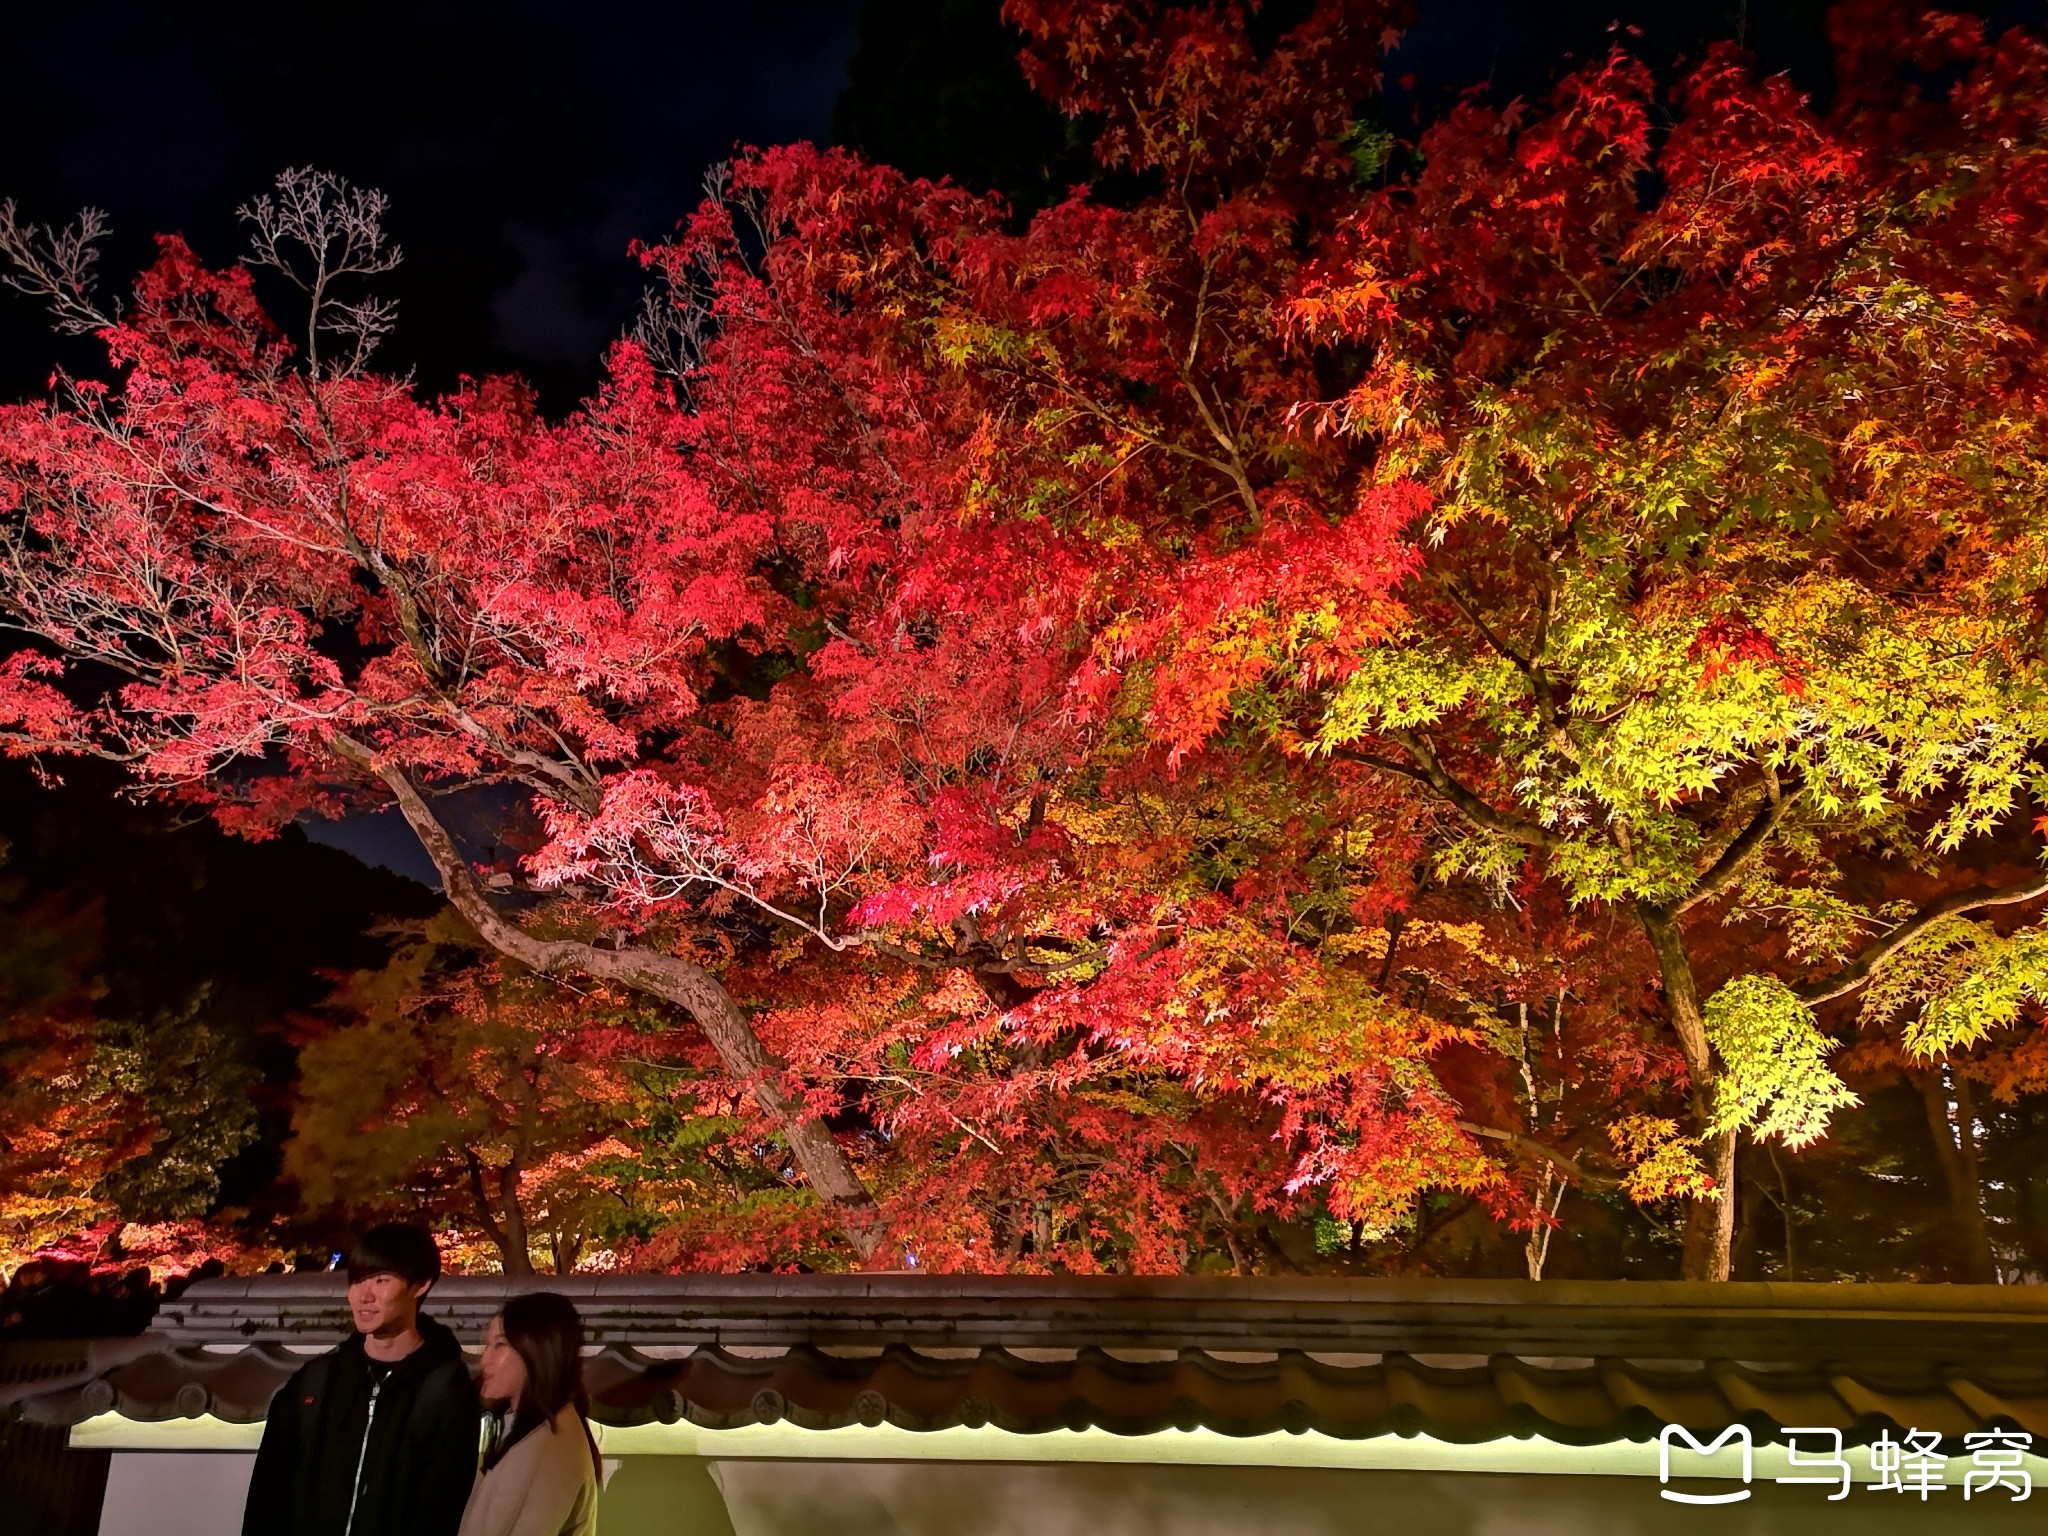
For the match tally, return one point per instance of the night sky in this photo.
(524, 144)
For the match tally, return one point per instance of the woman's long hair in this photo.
(547, 1335)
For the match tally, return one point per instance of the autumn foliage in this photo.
(1314, 674)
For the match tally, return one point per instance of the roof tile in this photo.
(1464, 1361)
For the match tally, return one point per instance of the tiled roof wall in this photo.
(1583, 1363)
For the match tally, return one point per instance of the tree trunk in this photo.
(508, 1236)
(672, 979)
(518, 1245)
(1786, 1210)
(1955, 1148)
(516, 1261)
(1747, 1240)
(1709, 1224)
(1536, 1249)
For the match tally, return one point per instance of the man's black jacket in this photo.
(417, 1453)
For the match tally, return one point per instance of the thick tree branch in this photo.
(1529, 665)
(981, 960)
(1709, 1224)
(668, 977)
(518, 1244)
(1567, 1165)
(486, 1217)
(1523, 664)
(1383, 764)
(1475, 810)
(1858, 971)
(1722, 872)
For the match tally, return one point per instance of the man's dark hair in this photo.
(395, 1248)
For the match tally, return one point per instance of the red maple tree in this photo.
(1077, 717)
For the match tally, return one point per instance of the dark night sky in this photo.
(524, 143)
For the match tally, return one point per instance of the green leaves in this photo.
(1968, 980)
(1774, 1079)
(1663, 1162)
(1400, 685)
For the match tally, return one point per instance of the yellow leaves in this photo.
(1370, 943)
(1663, 1162)
(1395, 687)
(1470, 937)
(1985, 982)
(962, 339)
(1774, 1079)
(1333, 1026)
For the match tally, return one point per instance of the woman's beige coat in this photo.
(544, 1486)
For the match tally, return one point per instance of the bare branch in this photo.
(316, 231)
(673, 328)
(57, 266)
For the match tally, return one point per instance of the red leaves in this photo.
(188, 320)
(924, 637)
(1299, 599)
(1727, 641)
(34, 714)
(1181, 88)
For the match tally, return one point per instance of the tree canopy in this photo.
(1310, 679)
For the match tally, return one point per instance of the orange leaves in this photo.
(1299, 599)
(1181, 88)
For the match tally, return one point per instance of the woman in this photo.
(540, 1473)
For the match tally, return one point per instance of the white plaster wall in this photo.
(822, 1498)
(176, 1493)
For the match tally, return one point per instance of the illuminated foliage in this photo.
(105, 1122)
(1121, 729)
(1732, 434)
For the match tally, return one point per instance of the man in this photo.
(378, 1437)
